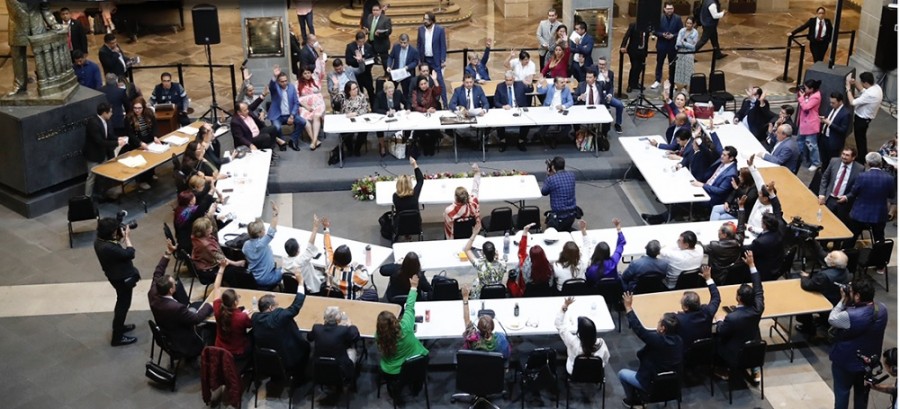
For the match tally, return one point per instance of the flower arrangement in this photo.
(364, 188)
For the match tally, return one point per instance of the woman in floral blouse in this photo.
(355, 104)
(489, 270)
(312, 103)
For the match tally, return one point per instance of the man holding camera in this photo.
(560, 186)
(858, 324)
(117, 264)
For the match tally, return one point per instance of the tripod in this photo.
(641, 99)
(214, 108)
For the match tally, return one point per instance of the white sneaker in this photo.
(144, 186)
(655, 85)
(881, 271)
(813, 168)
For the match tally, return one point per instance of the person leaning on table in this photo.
(396, 339)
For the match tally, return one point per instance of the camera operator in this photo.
(889, 362)
(560, 186)
(858, 324)
(117, 264)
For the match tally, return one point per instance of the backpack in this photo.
(334, 156)
(386, 221)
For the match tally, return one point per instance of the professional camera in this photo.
(844, 287)
(120, 217)
(802, 231)
(549, 163)
(874, 370)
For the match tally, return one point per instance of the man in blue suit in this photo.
(719, 177)
(470, 98)
(431, 44)
(666, 34)
(559, 96)
(285, 107)
(681, 122)
(871, 195)
(835, 127)
(478, 66)
(511, 95)
(785, 152)
(404, 56)
(581, 51)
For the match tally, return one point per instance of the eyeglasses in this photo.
(138, 108)
(354, 88)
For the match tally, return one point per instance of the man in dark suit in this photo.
(719, 176)
(378, 29)
(174, 318)
(510, 94)
(785, 152)
(404, 56)
(784, 117)
(431, 43)
(871, 194)
(77, 38)
(648, 265)
(741, 324)
(248, 130)
(275, 328)
(635, 44)
(726, 250)
(662, 352)
(838, 180)
(819, 34)
(581, 51)
(296, 48)
(666, 35)
(710, 14)
(112, 58)
(607, 78)
(824, 281)
(835, 127)
(118, 101)
(336, 339)
(768, 245)
(360, 54)
(118, 266)
(285, 107)
(309, 53)
(694, 319)
(470, 98)
(99, 143)
(755, 113)
(681, 122)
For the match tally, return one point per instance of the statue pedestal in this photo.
(41, 164)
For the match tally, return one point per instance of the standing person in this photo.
(634, 42)
(684, 65)
(859, 322)
(557, 62)
(710, 15)
(871, 195)
(360, 54)
(310, 52)
(118, 266)
(378, 28)
(465, 204)
(285, 107)
(838, 180)
(99, 143)
(666, 38)
(835, 127)
(582, 49)
(560, 186)
(546, 34)
(76, 37)
(606, 78)
(305, 17)
(865, 105)
(87, 72)
(808, 100)
(406, 57)
(819, 34)
(112, 58)
(118, 101)
(168, 92)
(431, 43)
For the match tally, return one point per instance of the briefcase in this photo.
(159, 374)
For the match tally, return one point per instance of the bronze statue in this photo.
(26, 18)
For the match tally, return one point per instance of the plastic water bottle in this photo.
(253, 305)
(368, 256)
(819, 214)
(516, 310)
(505, 244)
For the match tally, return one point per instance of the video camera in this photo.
(802, 231)
(549, 163)
(874, 370)
(120, 217)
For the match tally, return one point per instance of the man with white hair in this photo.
(785, 152)
(824, 281)
(336, 339)
(871, 194)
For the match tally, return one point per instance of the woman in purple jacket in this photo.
(602, 265)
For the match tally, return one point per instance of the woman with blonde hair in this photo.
(407, 196)
(464, 206)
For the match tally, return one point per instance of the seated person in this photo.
(678, 105)
(647, 265)
(488, 270)
(336, 339)
(465, 206)
(510, 94)
(477, 67)
(275, 328)
(406, 196)
(482, 337)
(680, 122)
(387, 102)
(571, 263)
(355, 103)
(606, 78)
(425, 98)
(784, 151)
(300, 265)
(742, 186)
(687, 255)
(559, 97)
(168, 92)
(694, 319)
(188, 209)
(602, 264)
(260, 260)
(719, 177)
(396, 339)
(232, 323)
(662, 352)
(725, 251)
(248, 130)
(352, 279)
(783, 118)
(741, 324)
(285, 107)
(469, 99)
(253, 100)
(399, 277)
(584, 342)
(207, 253)
(533, 263)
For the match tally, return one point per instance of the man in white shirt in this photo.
(866, 107)
(709, 18)
(687, 256)
(520, 63)
(546, 33)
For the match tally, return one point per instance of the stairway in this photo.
(406, 13)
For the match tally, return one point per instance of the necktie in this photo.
(831, 116)
(715, 174)
(316, 54)
(469, 98)
(590, 95)
(372, 29)
(819, 32)
(512, 101)
(69, 37)
(840, 181)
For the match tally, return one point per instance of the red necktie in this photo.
(69, 38)
(591, 95)
(821, 29)
(837, 186)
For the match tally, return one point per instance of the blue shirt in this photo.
(260, 261)
(561, 188)
(88, 75)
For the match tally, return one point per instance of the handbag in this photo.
(157, 373)
(386, 223)
(396, 146)
(237, 240)
(334, 156)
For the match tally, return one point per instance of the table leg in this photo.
(455, 153)
(483, 141)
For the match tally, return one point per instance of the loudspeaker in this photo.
(833, 80)
(648, 14)
(886, 48)
(206, 24)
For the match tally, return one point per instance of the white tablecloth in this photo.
(441, 191)
(245, 188)
(636, 237)
(669, 186)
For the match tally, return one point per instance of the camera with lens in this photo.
(844, 287)
(802, 231)
(874, 370)
(120, 217)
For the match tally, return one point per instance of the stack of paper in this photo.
(157, 147)
(220, 131)
(189, 130)
(176, 140)
(135, 161)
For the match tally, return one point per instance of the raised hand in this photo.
(567, 302)
(465, 292)
(748, 259)
(414, 281)
(617, 223)
(627, 300)
(706, 271)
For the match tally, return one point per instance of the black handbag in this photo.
(237, 240)
(159, 374)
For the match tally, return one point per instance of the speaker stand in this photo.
(641, 100)
(213, 112)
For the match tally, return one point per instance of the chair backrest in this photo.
(290, 284)
(587, 369)
(717, 81)
(414, 371)
(650, 283)
(244, 280)
(787, 263)
(697, 85)
(539, 290)
(462, 228)
(267, 364)
(501, 219)
(326, 371)
(528, 215)
(409, 222)
(700, 352)
(480, 373)
(540, 359)
(690, 279)
(737, 273)
(491, 291)
(160, 338)
(82, 208)
(752, 355)
(576, 286)
(399, 300)
(180, 178)
(880, 254)
(445, 290)
(611, 290)
(665, 386)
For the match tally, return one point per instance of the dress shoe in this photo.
(618, 128)
(144, 186)
(123, 340)
(282, 147)
(721, 56)
(128, 328)
(293, 146)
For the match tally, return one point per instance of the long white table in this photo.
(668, 184)
(441, 191)
(536, 316)
(437, 255)
(380, 254)
(245, 187)
(636, 237)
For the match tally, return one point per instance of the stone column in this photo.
(867, 40)
(261, 68)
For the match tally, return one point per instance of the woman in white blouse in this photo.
(584, 342)
(572, 263)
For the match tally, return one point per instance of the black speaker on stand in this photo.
(886, 48)
(206, 33)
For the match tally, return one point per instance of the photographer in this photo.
(560, 186)
(117, 264)
(858, 324)
(889, 363)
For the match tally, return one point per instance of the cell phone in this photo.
(420, 319)
(524, 109)
(316, 257)
(477, 252)
(352, 119)
(729, 308)
(229, 190)
(698, 195)
(390, 120)
(592, 107)
(565, 112)
(643, 138)
(366, 119)
(415, 328)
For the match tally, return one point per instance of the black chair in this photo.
(413, 374)
(526, 216)
(289, 283)
(752, 355)
(540, 362)
(479, 374)
(408, 223)
(611, 290)
(540, 290)
(462, 228)
(399, 300)
(267, 364)
(501, 219)
(650, 283)
(736, 273)
(699, 354)
(195, 275)
(787, 263)
(878, 257)
(576, 286)
(492, 291)
(587, 369)
(689, 279)
(717, 89)
(244, 280)
(181, 180)
(664, 387)
(81, 208)
(327, 372)
(698, 91)
(445, 290)
(165, 345)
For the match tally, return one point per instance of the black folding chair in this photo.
(493, 291)
(479, 375)
(81, 208)
(752, 355)
(717, 89)
(500, 219)
(689, 279)
(697, 87)
(576, 286)
(589, 370)
(878, 257)
(527, 215)
(327, 372)
(408, 223)
(650, 283)
(541, 362)
(267, 364)
(462, 228)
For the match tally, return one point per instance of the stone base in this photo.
(32, 98)
(513, 8)
(43, 202)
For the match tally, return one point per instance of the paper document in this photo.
(157, 147)
(135, 161)
(190, 130)
(575, 37)
(399, 74)
(219, 132)
(370, 61)
(175, 140)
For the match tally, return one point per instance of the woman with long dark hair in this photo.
(585, 343)
(312, 103)
(808, 101)
(571, 263)
(426, 99)
(399, 281)
(603, 265)
(396, 338)
(140, 126)
(212, 148)
(743, 186)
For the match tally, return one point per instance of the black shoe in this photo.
(128, 328)
(618, 128)
(123, 340)
(522, 147)
(282, 147)
(721, 56)
(808, 330)
(502, 148)
(293, 146)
